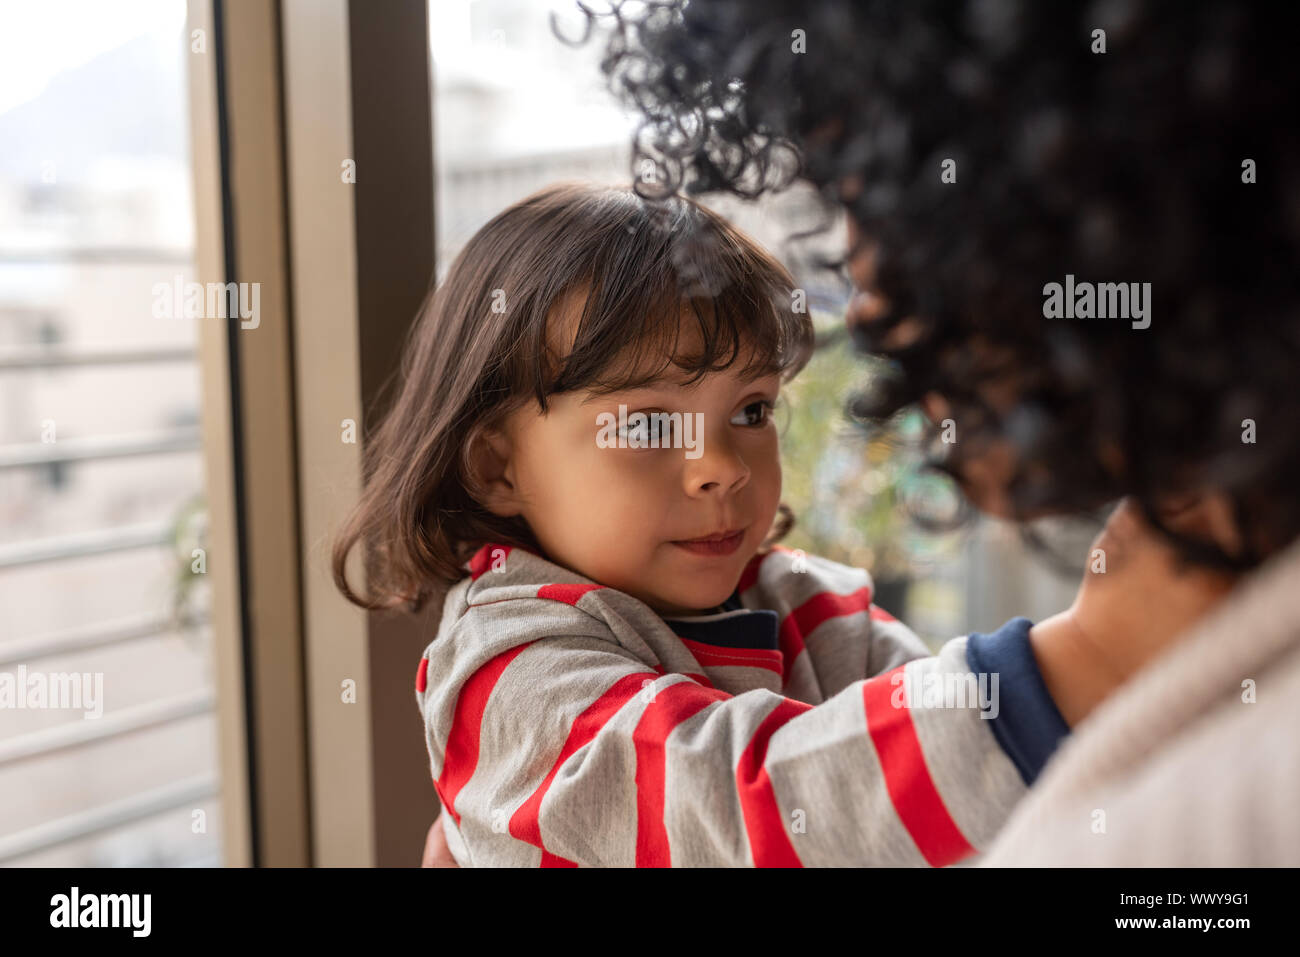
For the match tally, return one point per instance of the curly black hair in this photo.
(1163, 150)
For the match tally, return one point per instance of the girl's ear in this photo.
(489, 458)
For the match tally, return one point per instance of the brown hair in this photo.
(479, 349)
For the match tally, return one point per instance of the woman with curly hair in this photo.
(1004, 165)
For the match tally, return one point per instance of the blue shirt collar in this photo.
(735, 626)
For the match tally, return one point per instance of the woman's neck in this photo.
(1142, 602)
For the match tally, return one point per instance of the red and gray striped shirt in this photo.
(569, 724)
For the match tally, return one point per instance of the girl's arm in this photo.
(831, 633)
(571, 753)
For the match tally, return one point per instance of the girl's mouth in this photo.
(723, 544)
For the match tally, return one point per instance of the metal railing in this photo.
(16, 651)
(81, 544)
(137, 807)
(18, 358)
(91, 448)
(99, 256)
(113, 725)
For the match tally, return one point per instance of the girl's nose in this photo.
(719, 468)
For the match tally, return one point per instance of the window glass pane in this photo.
(101, 475)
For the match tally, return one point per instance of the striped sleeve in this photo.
(565, 751)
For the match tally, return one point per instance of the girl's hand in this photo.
(436, 851)
(1125, 616)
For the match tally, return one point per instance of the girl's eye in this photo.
(756, 413)
(649, 432)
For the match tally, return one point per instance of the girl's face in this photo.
(618, 515)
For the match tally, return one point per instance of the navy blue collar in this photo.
(735, 626)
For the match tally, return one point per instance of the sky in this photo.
(511, 49)
(41, 38)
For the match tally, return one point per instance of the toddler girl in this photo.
(628, 670)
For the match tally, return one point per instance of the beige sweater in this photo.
(1177, 768)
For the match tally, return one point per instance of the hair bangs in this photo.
(697, 279)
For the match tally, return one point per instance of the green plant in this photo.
(853, 489)
(188, 534)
